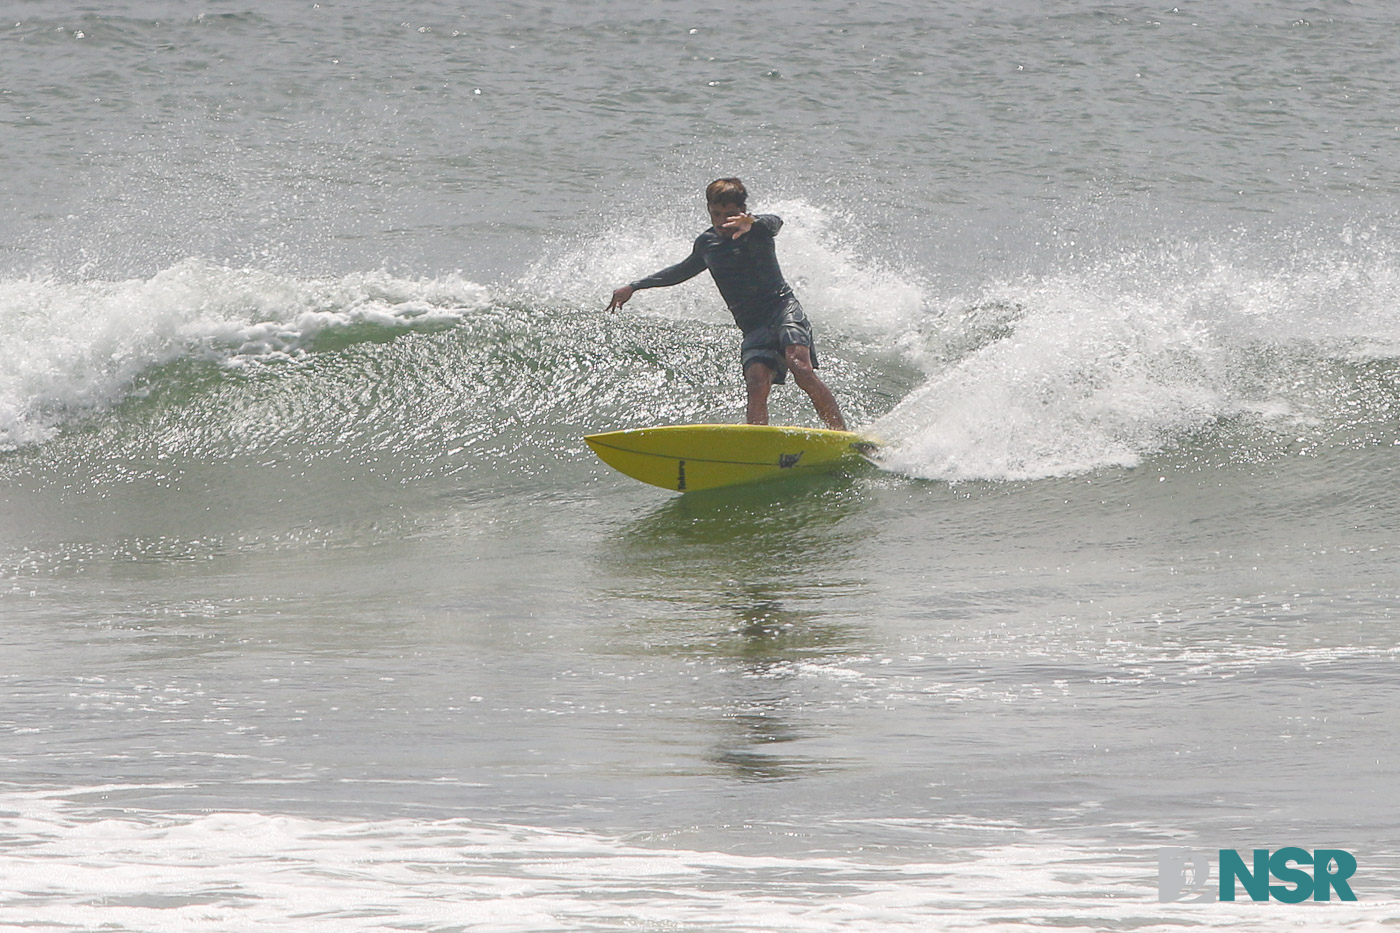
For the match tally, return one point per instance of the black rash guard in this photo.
(745, 270)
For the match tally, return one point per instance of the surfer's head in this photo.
(727, 191)
(725, 199)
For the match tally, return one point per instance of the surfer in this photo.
(739, 252)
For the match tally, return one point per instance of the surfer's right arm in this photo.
(687, 268)
(620, 296)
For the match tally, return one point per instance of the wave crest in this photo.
(67, 348)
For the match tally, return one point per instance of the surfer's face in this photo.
(720, 215)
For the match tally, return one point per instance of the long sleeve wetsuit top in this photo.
(745, 270)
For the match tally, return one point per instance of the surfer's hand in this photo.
(738, 225)
(620, 297)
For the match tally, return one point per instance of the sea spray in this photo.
(1136, 352)
(843, 290)
(1079, 383)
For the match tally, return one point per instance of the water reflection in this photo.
(767, 711)
(758, 593)
(808, 520)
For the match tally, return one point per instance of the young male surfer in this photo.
(739, 252)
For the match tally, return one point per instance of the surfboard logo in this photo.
(787, 461)
(680, 478)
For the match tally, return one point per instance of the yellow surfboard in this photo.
(687, 457)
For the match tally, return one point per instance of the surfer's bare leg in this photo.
(758, 379)
(799, 361)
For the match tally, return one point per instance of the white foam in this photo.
(72, 865)
(1080, 381)
(69, 347)
(1103, 366)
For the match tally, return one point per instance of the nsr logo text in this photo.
(1182, 873)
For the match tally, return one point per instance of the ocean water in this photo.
(317, 614)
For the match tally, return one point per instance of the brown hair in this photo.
(726, 191)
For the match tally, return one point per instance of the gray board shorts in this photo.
(768, 344)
